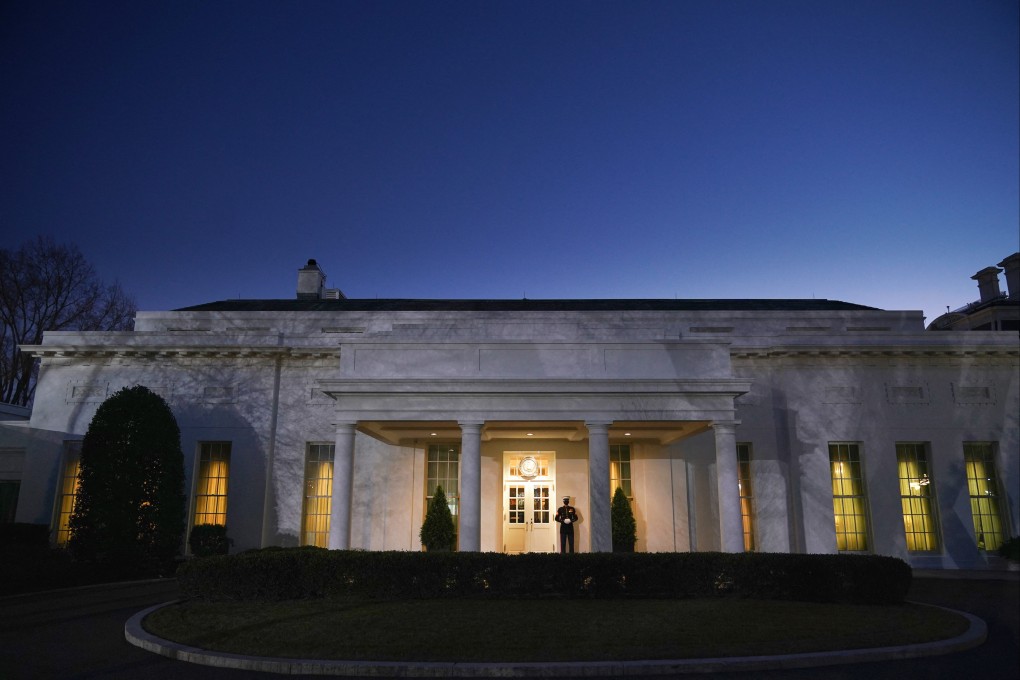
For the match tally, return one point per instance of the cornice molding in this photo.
(876, 352)
(502, 386)
(177, 351)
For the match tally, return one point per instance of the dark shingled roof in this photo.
(410, 305)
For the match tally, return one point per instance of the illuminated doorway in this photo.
(529, 501)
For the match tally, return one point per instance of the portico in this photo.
(522, 413)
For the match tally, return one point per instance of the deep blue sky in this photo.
(196, 151)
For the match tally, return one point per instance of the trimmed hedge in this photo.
(24, 535)
(209, 539)
(298, 573)
(1010, 549)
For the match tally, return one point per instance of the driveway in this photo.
(80, 634)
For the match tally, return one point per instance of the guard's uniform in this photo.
(566, 512)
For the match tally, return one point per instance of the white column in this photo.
(731, 526)
(343, 485)
(600, 530)
(470, 487)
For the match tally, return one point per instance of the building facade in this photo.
(770, 425)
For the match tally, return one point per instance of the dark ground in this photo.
(80, 634)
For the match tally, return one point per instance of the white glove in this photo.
(566, 520)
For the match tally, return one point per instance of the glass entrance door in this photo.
(528, 502)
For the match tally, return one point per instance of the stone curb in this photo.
(138, 636)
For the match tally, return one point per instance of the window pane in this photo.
(211, 487)
(619, 469)
(443, 469)
(318, 501)
(68, 489)
(746, 490)
(916, 492)
(983, 485)
(848, 500)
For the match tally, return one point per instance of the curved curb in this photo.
(138, 636)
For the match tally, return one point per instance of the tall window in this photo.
(68, 489)
(211, 488)
(318, 495)
(9, 489)
(983, 485)
(848, 500)
(746, 491)
(443, 469)
(619, 469)
(916, 497)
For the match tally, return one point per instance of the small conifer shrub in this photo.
(624, 527)
(438, 533)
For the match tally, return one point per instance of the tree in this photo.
(622, 518)
(45, 286)
(130, 508)
(437, 531)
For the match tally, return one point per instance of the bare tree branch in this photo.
(45, 286)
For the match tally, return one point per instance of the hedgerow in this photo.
(298, 573)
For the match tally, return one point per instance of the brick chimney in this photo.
(988, 283)
(1011, 265)
(311, 282)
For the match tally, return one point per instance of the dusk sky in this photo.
(197, 151)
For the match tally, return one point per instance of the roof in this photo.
(525, 305)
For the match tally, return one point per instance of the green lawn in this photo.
(543, 629)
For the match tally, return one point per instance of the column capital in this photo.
(597, 426)
(470, 425)
(724, 426)
(345, 427)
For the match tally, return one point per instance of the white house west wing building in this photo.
(770, 425)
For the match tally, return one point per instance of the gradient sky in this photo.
(197, 151)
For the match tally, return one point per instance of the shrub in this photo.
(295, 573)
(129, 510)
(438, 533)
(1010, 549)
(623, 525)
(209, 539)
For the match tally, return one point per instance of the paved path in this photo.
(80, 634)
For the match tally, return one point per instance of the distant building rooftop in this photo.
(995, 311)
